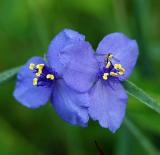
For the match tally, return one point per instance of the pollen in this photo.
(108, 64)
(35, 81)
(110, 69)
(50, 76)
(117, 66)
(120, 68)
(105, 76)
(121, 72)
(40, 68)
(113, 74)
(31, 66)
(38, 74)
(110, 56)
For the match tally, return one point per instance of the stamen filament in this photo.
(43, 75)
(110, 69)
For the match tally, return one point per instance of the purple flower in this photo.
(38, 80)
(116, 57)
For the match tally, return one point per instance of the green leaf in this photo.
(146, 144)
(143, 97)
(8, 74)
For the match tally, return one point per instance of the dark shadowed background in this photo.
(26, 29)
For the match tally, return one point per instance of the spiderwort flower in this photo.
(116, 57)
(38, 81)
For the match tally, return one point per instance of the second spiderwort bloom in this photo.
(38, 80)
(116, 57)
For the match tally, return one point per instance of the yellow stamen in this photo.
(31, 66)
(108, 64)
(113, 74)
(110, 56)
(121, 72)
(50, 76)
(122, 69)
(35, 81)
(39, 73)
(105, 76)
(40, 68)
(117, 66)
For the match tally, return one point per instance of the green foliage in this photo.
(143, 97)
(6, 75)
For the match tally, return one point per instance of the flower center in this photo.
(44, 76)
(110, 70)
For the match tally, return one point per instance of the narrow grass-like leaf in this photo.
(139, 94)
(146, 144)
(8, 74)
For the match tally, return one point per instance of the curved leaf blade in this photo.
(8, 74)
(142, 96)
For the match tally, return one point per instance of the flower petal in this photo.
(63, 39)
(27, 94)
(70, 105)
(123, 49)
(81, 70)
(108, 104)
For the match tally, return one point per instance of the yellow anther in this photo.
(105, 76)
(38, 74)
(121, 72)
(50, 76)
(110, 56)
(117, 66)
(122, 69)
(108, 64)
(113, 74)
(31, 66)
(40, 68)
(35, 81)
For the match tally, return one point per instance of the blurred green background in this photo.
(26, 29)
